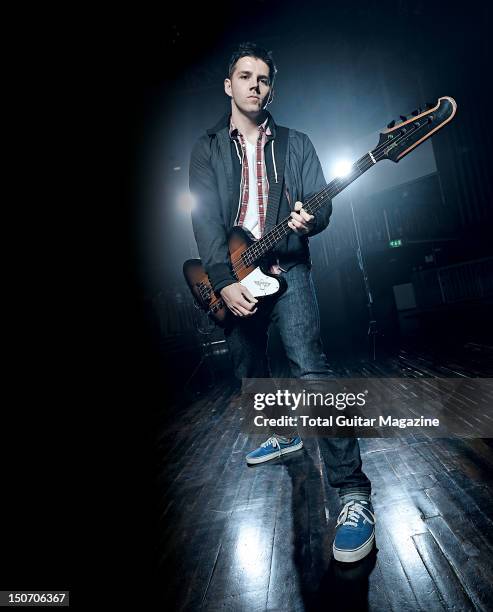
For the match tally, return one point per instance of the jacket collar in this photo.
(223, 124)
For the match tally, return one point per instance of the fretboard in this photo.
(265, 244)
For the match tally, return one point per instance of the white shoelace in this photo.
(352, 511)
(274, 442)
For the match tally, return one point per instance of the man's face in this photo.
(249, 86)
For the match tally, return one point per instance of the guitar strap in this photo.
(276, 152)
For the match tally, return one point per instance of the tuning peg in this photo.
(403, 117)
(416, 112)
(391, 124)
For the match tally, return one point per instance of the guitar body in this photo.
(261, 284)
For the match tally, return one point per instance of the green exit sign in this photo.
(395, 243)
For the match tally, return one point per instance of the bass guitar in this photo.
(248, 255)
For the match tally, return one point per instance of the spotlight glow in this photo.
(186, 203)
(251, 552)
(342, 168)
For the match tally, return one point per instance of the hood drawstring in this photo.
(273, 157)
(240, 157)
(237, 152)
(274, 160)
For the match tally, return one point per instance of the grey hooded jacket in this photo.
(215, 173)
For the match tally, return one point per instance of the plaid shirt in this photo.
(262, 184)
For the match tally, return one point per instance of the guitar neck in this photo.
(265, 244)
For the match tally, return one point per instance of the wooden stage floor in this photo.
(233, 537)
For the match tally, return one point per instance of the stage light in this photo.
(342, 168)
(186, 202)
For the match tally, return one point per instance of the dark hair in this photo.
(249, 49)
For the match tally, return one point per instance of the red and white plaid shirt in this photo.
(261, 194)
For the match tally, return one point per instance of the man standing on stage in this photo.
(248, 171)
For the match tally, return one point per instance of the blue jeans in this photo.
(297, 317)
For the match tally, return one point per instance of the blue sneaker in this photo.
(355, 531)
(273, 448)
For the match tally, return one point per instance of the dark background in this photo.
(345, 70)
(100, 347)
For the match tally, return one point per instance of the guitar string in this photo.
(311, 206)
(255, 249)
(317, 201)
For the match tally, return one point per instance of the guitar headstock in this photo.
(400, 138)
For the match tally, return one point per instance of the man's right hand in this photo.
(239, 300)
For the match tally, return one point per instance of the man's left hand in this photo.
(301, 222)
